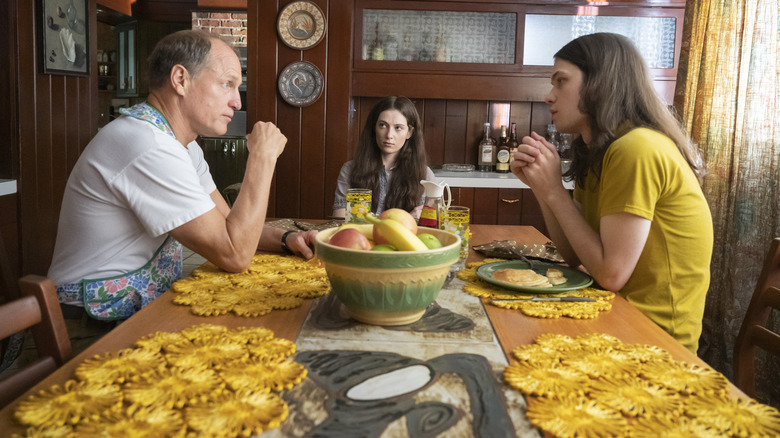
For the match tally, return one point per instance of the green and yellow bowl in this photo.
(387, 287)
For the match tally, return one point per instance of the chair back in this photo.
(230, 193)
(40, 310)
(755, 332)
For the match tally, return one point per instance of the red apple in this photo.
(398, 215)
(350, 238)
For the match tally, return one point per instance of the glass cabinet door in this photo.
(127, 77)
(443, 36)
(439, 36)
(654, 36)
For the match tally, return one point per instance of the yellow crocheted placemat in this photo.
(271, 282)
(596, 385)
(577, 310)
(203, 381)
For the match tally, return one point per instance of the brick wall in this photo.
(229, 25)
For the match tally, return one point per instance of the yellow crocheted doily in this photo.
(204, 381)
(577, 310)
(595, 385)
(271, 282)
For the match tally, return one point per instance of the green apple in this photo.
(429, 240)
(384, 247)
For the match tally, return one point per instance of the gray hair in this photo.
(188, 48)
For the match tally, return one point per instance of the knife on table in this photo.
(560, 299)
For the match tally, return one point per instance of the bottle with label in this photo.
(502, 153)
(486, 151)
(433, 203)
(513, 143)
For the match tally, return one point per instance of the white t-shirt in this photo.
(132, 185)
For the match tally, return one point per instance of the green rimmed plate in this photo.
(575, 279)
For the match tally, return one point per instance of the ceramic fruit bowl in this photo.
(387, 287)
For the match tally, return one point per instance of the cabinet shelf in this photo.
(496, 50)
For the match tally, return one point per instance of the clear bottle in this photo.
(407, 51)
(441, 50)
(552, 135)
(564, 145)
(513, 143)
(486, 151)
(502, 153)
(391, 48)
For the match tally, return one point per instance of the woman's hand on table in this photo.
(302, 243)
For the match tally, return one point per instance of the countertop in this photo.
(484, 179)
(7, 187)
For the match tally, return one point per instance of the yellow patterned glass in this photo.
(358, 205)
(456, 221)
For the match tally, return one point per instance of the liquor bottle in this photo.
(564, 146)
(552, 135)
(377, 47)
(486, 151)
(502, 153)
(513, 143)
(441, 50)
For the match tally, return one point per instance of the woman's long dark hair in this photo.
(411, 163)
(617, 88)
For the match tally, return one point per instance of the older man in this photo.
(142, 186)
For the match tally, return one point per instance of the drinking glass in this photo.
(455, 220)
(358, 205)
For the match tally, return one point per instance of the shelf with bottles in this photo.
(473, 37)
(496, 50)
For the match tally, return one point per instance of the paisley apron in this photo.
(121, 296)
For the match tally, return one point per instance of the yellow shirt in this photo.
(645, 174)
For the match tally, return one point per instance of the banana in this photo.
(365, 229)
(397, 234)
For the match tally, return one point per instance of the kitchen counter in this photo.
(7, 187)
(485, 179)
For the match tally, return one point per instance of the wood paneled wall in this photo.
(323, 135)
(55, 117)
(317, 134)
(453, 128)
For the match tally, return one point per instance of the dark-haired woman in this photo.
(638, 221)
(390, 160)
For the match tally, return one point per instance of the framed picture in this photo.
(64, 36)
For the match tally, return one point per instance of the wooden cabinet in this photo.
(497, 50)
(500, 206)
(226, 157)
(9, 247)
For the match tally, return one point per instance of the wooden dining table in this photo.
(511, 328)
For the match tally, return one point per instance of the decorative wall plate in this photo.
(300, 83)
(301, 25)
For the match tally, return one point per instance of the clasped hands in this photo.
(537, 164)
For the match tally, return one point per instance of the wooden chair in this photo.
(38, 308)
(754, 331)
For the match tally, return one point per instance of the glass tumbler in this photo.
(358, 205)
(455, 220)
